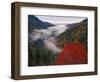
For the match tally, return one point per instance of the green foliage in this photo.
(40, 56)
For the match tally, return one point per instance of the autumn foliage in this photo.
(73, 53)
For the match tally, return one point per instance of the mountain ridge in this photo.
(75, 32)
(35, 23)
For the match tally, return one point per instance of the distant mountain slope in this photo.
(76, 25)
(75, 32)
(35, 23)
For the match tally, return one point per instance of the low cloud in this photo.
(48, 36)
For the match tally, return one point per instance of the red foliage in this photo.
(73, 53)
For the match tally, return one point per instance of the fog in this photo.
(48, 36)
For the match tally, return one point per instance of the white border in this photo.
(25, 70)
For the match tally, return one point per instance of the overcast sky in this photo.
(60, 19)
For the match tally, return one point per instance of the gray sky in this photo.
(60, 19)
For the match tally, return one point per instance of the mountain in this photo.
(75, 32)
(75, 25)
(38, 55)
(35, 23)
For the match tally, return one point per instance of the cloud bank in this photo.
(48, 36)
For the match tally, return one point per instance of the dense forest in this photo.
(38, 55)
